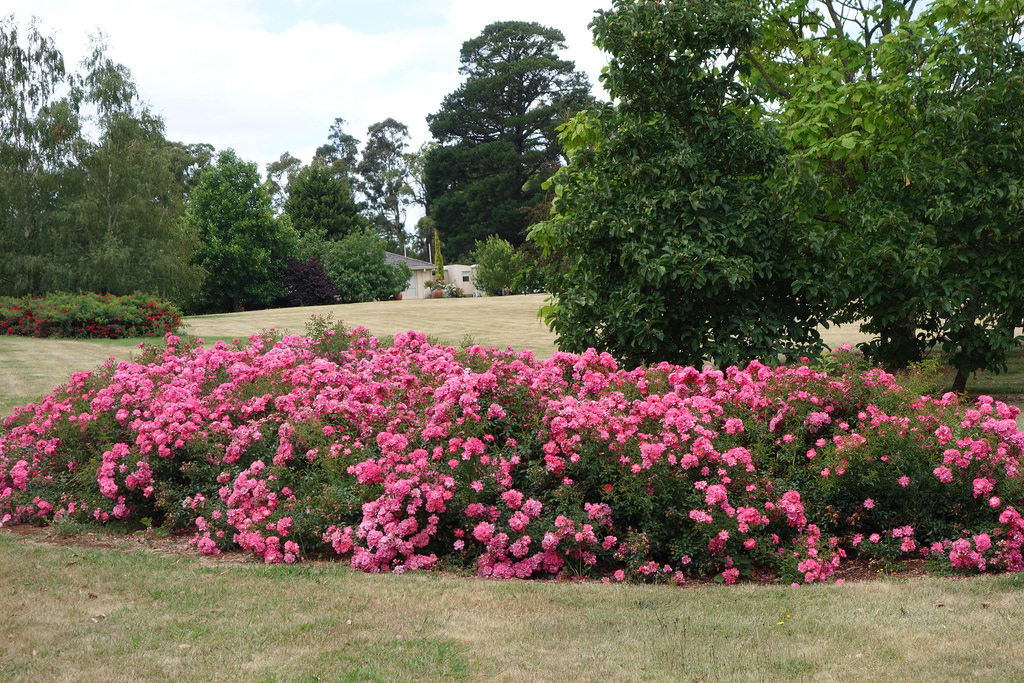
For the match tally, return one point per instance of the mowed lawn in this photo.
(87, 606)
(31, 367)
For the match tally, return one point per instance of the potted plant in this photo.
(436, 288)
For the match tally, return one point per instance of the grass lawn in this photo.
(127, 613)
(96, 607)
(31, 367)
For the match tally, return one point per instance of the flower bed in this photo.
(420, 456)
(96, 316)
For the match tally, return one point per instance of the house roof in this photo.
(413, 263)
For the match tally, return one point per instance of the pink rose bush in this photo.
(412, 455)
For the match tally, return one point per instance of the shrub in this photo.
(307, 284)
(496, 266)
(97, 316)
(357, 267)
(419, 455)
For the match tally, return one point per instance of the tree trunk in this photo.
(960, 381)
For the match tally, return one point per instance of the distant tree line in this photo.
(95, 198)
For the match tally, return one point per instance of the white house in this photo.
(461, 276)
(454, 274)
(421, 272)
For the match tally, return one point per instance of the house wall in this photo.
(416, 288)
(461, 276)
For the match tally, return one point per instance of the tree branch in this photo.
(768, 79)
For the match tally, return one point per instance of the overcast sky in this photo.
(269, 76)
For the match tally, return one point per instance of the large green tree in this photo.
(904, 128)
(40, 140)
(319, 199)
(84, 213)
(496, 132)
(243, 246)
(680, 251)
(383, 175)
(127, 231)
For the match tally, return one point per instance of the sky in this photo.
(268, 76)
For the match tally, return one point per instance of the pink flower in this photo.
(903, 481)
(982, 542)
(869, 503)
(716, 494)
(532, 508)
(619, 575)
(983, 486)
(513, 499)
(730, 575)
(283, 525)
(518, 521)
(701, 516)
(483, 532)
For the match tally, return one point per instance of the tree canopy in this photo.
(383, 174)
(318, 198)
(91, 193)
(680, 252)
(904, 128)
(496, 132)
(243, 246)
(793, 164)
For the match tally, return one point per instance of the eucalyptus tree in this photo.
(383, 179)
(80, 212)
(40, 141)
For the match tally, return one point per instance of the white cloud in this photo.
(266, 76)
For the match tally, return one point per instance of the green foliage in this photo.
(83, 214)
(904, 129)
(243, 246)
(496, 266)
(496, 132)
(537, 271)
(356, 266)
(383, 173)
(341, 150)
(88, 316)
(280, 176)
(128, 230)
(679, 249)
(438, 258)
(317, 198)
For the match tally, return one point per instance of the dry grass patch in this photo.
(489, 321)
(73, 613)
(29, 367)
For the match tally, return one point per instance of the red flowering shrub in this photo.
(416, 456)
(96, 316)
